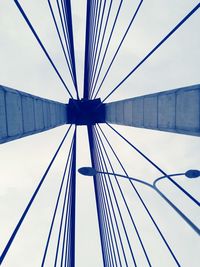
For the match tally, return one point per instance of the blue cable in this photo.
(108, 227)
(104, 187)
(156, 166)
(108, 43)
(66, 231)
(31, 201)
(62, 21)
(109, 195)
(106, 236)
(41, 45)
(66, 33)
(94, 40)
(116, 223)
(91, 31)
(61, 42)
(69, 26)
(117, 226)
(65, 249)
(66, 198)
(91, 14)
(105, 207)
(123, 197)
(120, 44)
(96, 47)
(154, 49)
(65, 255)
(91, 145)
(143, 203)
(86, 58)
(67, 245)
(66, 10)
(73, 206)
(128, 241)
(66, 37)
(116, 201)
(56, 206)
(69, 241)
(96, 28)
(101, 45)
(115, 217)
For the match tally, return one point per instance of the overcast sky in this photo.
(22, 162)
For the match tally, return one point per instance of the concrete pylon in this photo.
(22, 114)
(176, 111)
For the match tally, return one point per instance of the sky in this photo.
(22, 162)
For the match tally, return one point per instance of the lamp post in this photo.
(191, 174)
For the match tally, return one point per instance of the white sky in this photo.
(22, 162)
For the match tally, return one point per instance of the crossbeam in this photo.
(23, 114)
(176, 111)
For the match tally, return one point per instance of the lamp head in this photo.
(192, 174)
(87, 171)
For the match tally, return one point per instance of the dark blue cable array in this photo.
(65, 252)
(65, 208)
(87, 54)
(64, 10)
(101, 45)
(121, 192)
(41, 45)
(56, 206)
(96, 43)
(60, 39)
(124, 227)
(107, 218)
(66, 216)
(73, 207)
(91, 32)
(66, 32)
(144, 205)
(104, 189)
(118, 48)
(94, 39)
(31, 201)
(91, 146)
(108, 43)
(118, 208)
(105, 186)
(156, 166)
(155, 48)
(106, 230)
(68, 243)
(69, 28)
(94, 18)
(63, 24)
(94, 25)
(105, 212)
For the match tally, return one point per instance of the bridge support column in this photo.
(176, 111)
(22, 114)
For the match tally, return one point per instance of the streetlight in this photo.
(89, 171)
(192, 173)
